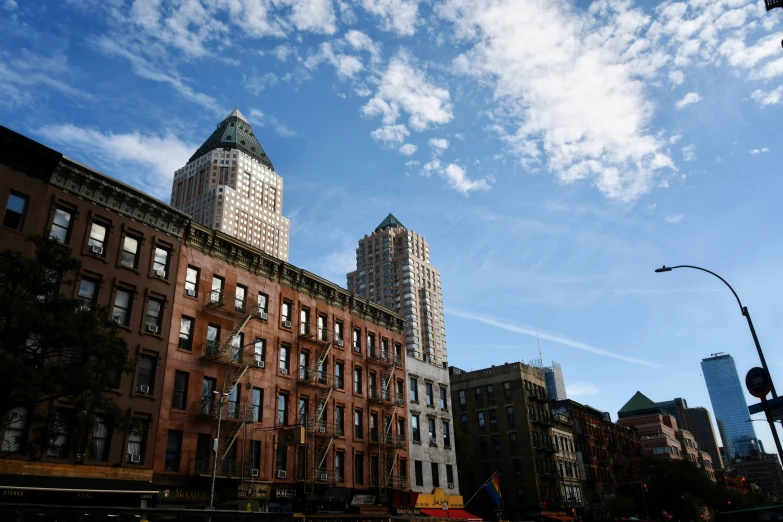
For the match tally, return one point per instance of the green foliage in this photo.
(50, 350)
(620, 507)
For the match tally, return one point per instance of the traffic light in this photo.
(644, 485)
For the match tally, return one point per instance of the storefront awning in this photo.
(563, 518)
(36, 489)
(450, 513)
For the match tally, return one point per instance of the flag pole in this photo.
(479, 489)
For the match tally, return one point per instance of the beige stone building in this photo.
(230, 185)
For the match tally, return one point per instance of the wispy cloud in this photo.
(674, 218)
(580, 389)
(556, 338)
(688, 99)
(260, 119)
(661, 291)
(756, 152)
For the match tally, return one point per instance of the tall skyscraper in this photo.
(230, 185)
(393, 269)
(729, 406)
(555, 384)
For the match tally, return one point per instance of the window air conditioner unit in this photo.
(287, 324)
(97, 250)
(322, 429)
(339, 342)
(281, 473)
(135, 458)
(84, 308)
(259, 364)
(263, 315)
(254, 472)
(144, 389)
(153, 328)
(284, 371)
(160, 272)
(324, 477)
(357, 349)
(451, 485)
(190, 292)
(117, 319)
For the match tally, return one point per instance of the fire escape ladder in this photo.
(238, 327)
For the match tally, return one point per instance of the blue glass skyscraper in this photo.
(729, 406)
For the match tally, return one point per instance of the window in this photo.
(428, 393)
(512, 441)
(357, 340)
(480, 416)
(464, 419)
(414, 384)
(285, 314)
(477, 391)
(304, 365)
(282, 409)
(153, 316)
(240, 299)
(321, 325)
(374, 427)
(431, 431)
(258, 404)
(490, 393)
(493, 420)
(301, 461)
(507, 389)
(186, 333)
(357, 381)
(146, 380)
(338, 331)
(304, 322)
(371, 345)
(374, 470)
(510, 414)
(255, 454)
(443, 402)
(179, 399)
(339, 375)
(462, 397)
(263, 302)
(281, 458)
(99, 444)
(130, 252)
(358, 429)
(61, 226)
(97, 242)
(259, 352)
(435, 475)
(173, 449)
(237, 347)
(88, 291)
(304, 409)
(213, 339)
(358, 468)
(415, 428)
(446, 434)
(483, 445)
(404, 473)
(15, 211)
(122, 305)
(339, 467)
(419, 473)
(15, 427)
(496, 443)
(216, 295)
(449, 476)
(207, 405)
(284, 360)
(400, 390)
(60, 434)
(137, 441)
(160, 263)
(191, 281)
(339, 420)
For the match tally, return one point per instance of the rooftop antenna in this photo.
(715, 354)
(539, 349)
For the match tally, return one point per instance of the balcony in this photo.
(312, 332)
(227, 468)
(206, 407)
(400, 483)
(378, 356)
(239, 412)
(378, 394)
(227, 302)
(314, 377)
(214, 350)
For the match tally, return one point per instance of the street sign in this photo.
(775, 407)
(758, 382)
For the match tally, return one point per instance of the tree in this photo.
(52, 350)
(678, 487)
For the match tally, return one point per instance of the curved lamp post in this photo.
(746, 314)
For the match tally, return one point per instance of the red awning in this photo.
(450, 513)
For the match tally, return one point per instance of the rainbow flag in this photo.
(493, 488)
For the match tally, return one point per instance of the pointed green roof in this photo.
(638, 405)
(390, 222)
(235, 132)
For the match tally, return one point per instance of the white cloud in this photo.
(663, 184)
(361, 42)
(390, 134)
(282, 52)
(411, 163)
(438, 145)
(260, 119)
(509, 326)
(10, 5)
(458, 180)
(397, 16)
(257, 84)
(767, 98)
(674, 139)
(313, 15)
(408, 149)
(22, 78)
(404, 88)
(674, 218)
(689, 152)
(145, 160)
(580, 389)
(756, 152)
(676, 77)
(544, 61)
(689, 99)
(362, 91)
(347, 65)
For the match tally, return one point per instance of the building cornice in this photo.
(114, 196)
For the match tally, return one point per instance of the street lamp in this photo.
(745, 313)
(772, 4)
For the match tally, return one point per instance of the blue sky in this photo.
(552, 153)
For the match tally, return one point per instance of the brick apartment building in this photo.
(505, 411)
(609, 454)
(129, 246)
(289, 349)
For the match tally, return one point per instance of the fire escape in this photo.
(320, 432)
(237, 410)
(382, 393)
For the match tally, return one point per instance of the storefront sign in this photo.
(363, 500)
(261, 491)
(74, 497)
(285, 493)
(373, 510)
(197, 495)
(439, 499)
(406, 511)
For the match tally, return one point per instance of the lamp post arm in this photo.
(742, 308)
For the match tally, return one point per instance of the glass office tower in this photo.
(729, 406)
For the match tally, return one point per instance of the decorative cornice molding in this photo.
(114, 196)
